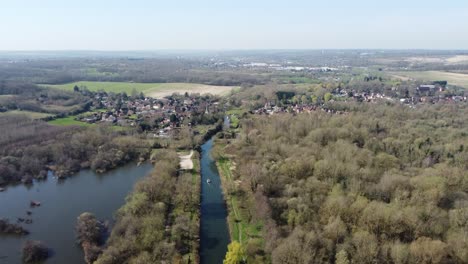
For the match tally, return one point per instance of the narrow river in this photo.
(214, 234)
(61, 203)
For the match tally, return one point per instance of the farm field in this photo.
(458, 79)
(29, 114)
(156, 90)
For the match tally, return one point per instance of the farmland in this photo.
(457, 79)
(149, 89)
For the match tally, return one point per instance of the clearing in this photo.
(186, 162)
(157, 90)
(458, 79)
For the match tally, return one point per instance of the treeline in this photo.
(59, 71)
(25, 96)
(159, 222)
(383, 184)
(28, 149)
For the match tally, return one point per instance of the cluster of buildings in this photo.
(270, 108)
(159, 115)
(427, 93)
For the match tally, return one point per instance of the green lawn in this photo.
(29, 114)
(149, 89)
(68, 121)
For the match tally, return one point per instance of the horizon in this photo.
(218, 25)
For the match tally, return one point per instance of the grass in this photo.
(241, 229)
(236, 111)
(149, 89)
(68, 121)
(29, 114)
(234, 121)
(458, 79)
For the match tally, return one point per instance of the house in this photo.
(426, 88)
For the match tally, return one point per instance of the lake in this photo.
(62, 201)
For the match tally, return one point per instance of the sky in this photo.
(118, 25)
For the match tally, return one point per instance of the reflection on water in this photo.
(62, 201)
(214, 234)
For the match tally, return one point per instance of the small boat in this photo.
(208, 181)
(2, 189)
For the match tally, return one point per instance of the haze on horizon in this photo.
(209, 24)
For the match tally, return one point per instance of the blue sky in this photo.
(234, 24)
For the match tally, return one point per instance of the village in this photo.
(157, 115)
(423, 94)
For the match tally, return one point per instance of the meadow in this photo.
(68, 121)
(457, 79)
(156, 90)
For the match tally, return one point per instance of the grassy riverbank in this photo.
(243, 227)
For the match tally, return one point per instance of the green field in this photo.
(149, 89)
(68, 121)
(457, 79)
(31, 115)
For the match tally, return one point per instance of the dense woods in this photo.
(159, 221)
(19, 95)
(382, 184)
(29, 148)
(146, 70)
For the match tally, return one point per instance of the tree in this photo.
(88, 228)
(76, 88)
(342, 257)
(173, 118)
(327, 97)
(235, 254)
(34, 251)
(134, 93)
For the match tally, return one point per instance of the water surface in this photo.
(214, 233)
(61, 203)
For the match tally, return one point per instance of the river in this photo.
(61, 203)
(214, 233)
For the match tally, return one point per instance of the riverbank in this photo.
(243, 228)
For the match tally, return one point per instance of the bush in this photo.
(34, 251)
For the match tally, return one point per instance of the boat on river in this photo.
(208, 181)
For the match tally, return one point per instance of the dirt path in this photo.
(186, 162)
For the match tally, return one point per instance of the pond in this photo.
(62, 201)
